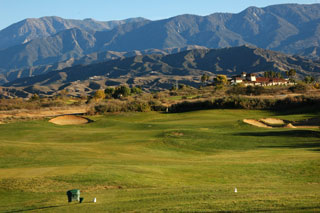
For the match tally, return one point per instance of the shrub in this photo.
(237, 89)
(300, 87)
(256, 90)
(247, 103)
(109, 92)
(221, 80)
(316, 85)
(122, 91)
(136, 90)
(98, 95)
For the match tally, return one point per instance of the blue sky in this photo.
(12, 11)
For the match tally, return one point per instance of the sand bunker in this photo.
(275, 122)
(272, 121)
(289, 125)
(256, 123)
(69, 120)
(177, 134)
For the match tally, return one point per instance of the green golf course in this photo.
(161, 162)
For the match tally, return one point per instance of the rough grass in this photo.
(155, 162)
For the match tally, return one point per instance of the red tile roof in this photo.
(269, 80)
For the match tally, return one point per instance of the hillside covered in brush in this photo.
(156, 72)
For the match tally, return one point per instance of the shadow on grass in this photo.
(312, 109)
(42, 208)
(33, 209)
(314, 144)
(293, 209)
(287, 133)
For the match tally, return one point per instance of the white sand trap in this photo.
(275, 122)
(69, 120)
(272, 121)
(256, 123)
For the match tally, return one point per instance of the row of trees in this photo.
(272, 74)
(118, 92)
(299, 104)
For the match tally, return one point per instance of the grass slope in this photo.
(154, 162)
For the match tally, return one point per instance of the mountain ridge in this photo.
(94, 57)
(189, 64)
(32, 28)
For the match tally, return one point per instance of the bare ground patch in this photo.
(177, 134)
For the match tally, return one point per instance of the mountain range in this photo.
(53, 46)
(289, 28)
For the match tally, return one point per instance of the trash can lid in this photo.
(74, 191)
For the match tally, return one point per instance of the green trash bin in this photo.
(73, 195)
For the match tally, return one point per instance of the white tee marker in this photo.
(235, 190)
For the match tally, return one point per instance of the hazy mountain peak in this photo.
(32, 28)
(89, 19)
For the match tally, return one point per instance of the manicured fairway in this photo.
(158, 162)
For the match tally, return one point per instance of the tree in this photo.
(122, 91)
(292, 73)
(287, 74)
(182, 86)
(221, 80)
(272, 74)
(136, 90)
(278, 75)
(99, 95)
(309, 79)
(300, 87)
(35, 97)
(63, 94)
(256, 90)
(204, 78)
(109, 91)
